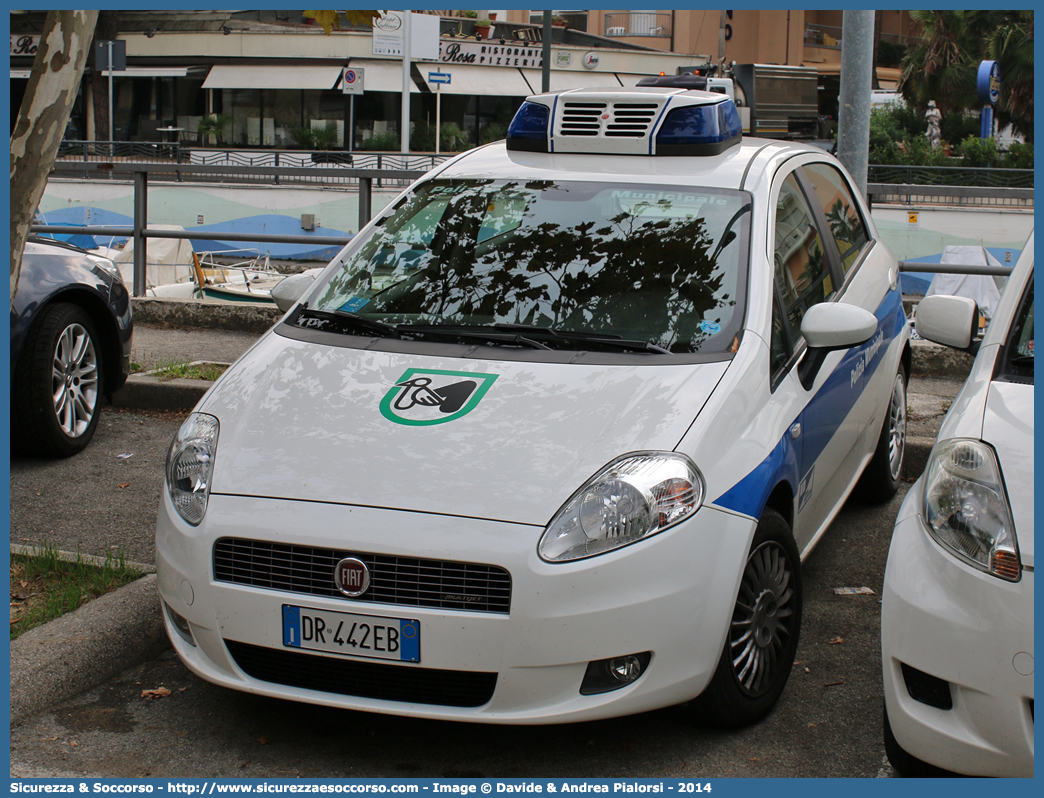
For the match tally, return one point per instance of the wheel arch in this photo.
(781, 499)
(106, 326)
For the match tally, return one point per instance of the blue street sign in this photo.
(439, 77)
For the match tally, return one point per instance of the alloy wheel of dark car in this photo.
(58, 384)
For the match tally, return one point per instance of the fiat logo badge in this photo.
(352, 577)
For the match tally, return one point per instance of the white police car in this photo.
(548, 440)
(957, 612)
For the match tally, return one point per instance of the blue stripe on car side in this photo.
(748, 496)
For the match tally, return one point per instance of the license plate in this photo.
(351, 633)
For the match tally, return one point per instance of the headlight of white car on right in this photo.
(966, 508)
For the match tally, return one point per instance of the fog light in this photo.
(180, 624)
(604, 675)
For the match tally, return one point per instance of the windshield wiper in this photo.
(469, 331)
(600, 338)
(352, 320)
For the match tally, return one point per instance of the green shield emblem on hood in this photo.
(422, 397)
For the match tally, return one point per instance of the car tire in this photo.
(57, 384)
(884, 472)
(763, 632)
(904, 763)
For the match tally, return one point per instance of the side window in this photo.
(842, 213)
(802, 275)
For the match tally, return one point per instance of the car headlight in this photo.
(106, 264)
(966, 507)
(633, 497)
(190, 466)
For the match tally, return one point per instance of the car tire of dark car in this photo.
(763, 635)
(57, 388)
(884, 472)
(906, 764)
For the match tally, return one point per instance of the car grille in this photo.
(364, 679)
(408, 581)
(626, 120)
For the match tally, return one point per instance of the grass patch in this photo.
(44, 586)
(190, 371)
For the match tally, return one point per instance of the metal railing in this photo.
(638, 23)
(140, 231)
(120, 153)
(950, 176)
(964, 196)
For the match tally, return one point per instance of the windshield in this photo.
(654, 264)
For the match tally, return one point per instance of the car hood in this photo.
(319, 423)
(1007, 425)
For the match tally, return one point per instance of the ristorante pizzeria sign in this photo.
(487, 54)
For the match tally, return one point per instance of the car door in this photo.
(819, 258)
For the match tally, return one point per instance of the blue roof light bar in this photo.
(529, 130)
(699, 130)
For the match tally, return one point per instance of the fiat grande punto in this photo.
(550, 438)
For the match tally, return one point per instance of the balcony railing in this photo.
(638, 23)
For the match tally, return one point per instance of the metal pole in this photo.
(407, 44)
(111, 154)
(438, 116)
(351, 122)
(365, 200)
(853, 123)
(141, 193)
(545, 55)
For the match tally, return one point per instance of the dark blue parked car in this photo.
(70, 345)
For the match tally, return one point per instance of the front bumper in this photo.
(965, 630)
(671, 595)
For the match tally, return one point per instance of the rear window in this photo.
(652, 263)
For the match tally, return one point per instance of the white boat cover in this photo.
(980, 287)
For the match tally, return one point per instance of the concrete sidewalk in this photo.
(111, 634)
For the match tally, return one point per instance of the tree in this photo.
(943, 65)
(55, 78)
(1011, 45)
(939, 67)
(332, 19)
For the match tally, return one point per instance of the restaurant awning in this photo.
(275, 76)
(484, 80)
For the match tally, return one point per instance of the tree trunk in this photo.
(53, 83)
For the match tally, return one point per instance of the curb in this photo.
(146, 392)
(207, 314)
(79, 651)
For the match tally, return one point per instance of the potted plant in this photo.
(482, 28)
(559, 22)
(212, 127)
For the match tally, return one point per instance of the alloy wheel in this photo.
(74, 380)
(763, 619)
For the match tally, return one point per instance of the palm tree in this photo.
(1011, 45)
(940, 66)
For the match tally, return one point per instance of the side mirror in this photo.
(948, 320)
(290, 289)
(830, 326)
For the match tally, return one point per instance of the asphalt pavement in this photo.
(105, 499)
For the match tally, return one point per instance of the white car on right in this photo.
(957, 613)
